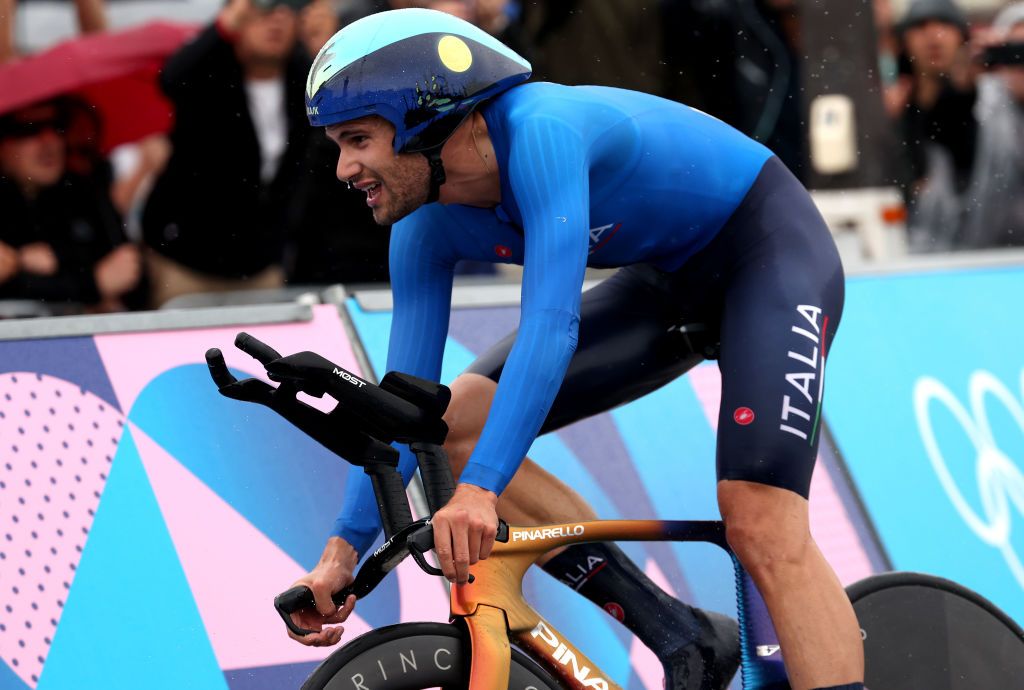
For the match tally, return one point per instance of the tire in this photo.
(925, 633)
(411, 656)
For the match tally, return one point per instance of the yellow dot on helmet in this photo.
(454, 53)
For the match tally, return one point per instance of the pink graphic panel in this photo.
(57, 443)
(830, 523)
(133, 360)
(233, 569)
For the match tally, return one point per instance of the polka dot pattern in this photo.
(57, 443)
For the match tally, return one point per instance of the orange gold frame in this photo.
(494, 610)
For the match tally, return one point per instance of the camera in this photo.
(1003, 54)
(267, 5)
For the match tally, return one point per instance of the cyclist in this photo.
(435, 123)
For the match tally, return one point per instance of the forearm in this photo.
(359, 521)
(531, 378)
(338, 552)
(6, 30)
(92, 16)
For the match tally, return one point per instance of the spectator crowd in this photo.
(241, 193)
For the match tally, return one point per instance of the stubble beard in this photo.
(407, 189)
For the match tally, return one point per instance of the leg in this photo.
(768, 529)
(534, 496)
(627, 348)
(782, 306)
(696, 648)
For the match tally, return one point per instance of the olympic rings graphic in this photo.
(1000, 480)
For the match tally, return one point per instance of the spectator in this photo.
(216, 217)
(937, 120)
(61, 239)
(91, 15)
(894, 90)
(615, 43)
(333, 237)
(994, 206)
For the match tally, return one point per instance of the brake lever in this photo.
(419, 543)
(423, 540)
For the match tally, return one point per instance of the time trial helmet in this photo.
(422, 70)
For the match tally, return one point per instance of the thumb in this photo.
(324, 604)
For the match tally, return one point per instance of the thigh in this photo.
(781, 311)
(629, 344)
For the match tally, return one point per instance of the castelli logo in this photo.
(743, 416)
(502, 251)
(615, 611)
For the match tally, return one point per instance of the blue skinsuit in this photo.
(590, 176)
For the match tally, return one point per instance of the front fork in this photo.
(492, 653)
(762, 665)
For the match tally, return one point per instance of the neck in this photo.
(261, 68)
(263, 72)
(470, 166)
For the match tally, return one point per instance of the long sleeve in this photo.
(548, 173)
(422, 267)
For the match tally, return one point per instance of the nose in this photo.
(347, 168)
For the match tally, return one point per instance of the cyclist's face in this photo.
(395, 184)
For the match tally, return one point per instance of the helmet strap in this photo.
(437, 176)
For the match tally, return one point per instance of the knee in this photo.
(467, 412)
(768, 536)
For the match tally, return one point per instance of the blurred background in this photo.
(156, 150)
(155, 154)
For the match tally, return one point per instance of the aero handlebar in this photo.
(360, 429)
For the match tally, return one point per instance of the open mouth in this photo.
(373, 194)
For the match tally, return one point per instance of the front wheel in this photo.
(411, 656)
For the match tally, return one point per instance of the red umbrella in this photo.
(114, 71)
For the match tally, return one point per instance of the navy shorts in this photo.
(768, 292)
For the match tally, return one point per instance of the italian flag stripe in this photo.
(821, 383)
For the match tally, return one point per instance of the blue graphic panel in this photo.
(680, 479)
(282, 481)
(9, 680)
(130, 621)
(926, 407)
(72, 359)
(268, 470)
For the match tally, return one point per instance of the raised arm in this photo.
(7, 30)
(92, 16)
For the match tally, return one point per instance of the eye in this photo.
(358, 139)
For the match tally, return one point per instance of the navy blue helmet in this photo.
(424, 71)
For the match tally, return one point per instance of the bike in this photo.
(495, 639)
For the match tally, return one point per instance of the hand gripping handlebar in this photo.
(360, 429)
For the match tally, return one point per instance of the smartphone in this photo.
(266, 5)
(1004, 54)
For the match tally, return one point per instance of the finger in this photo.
(487, 540)
(460, 547)
(443, 547)
(344, 612)
(474, 534)
(308, 640)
